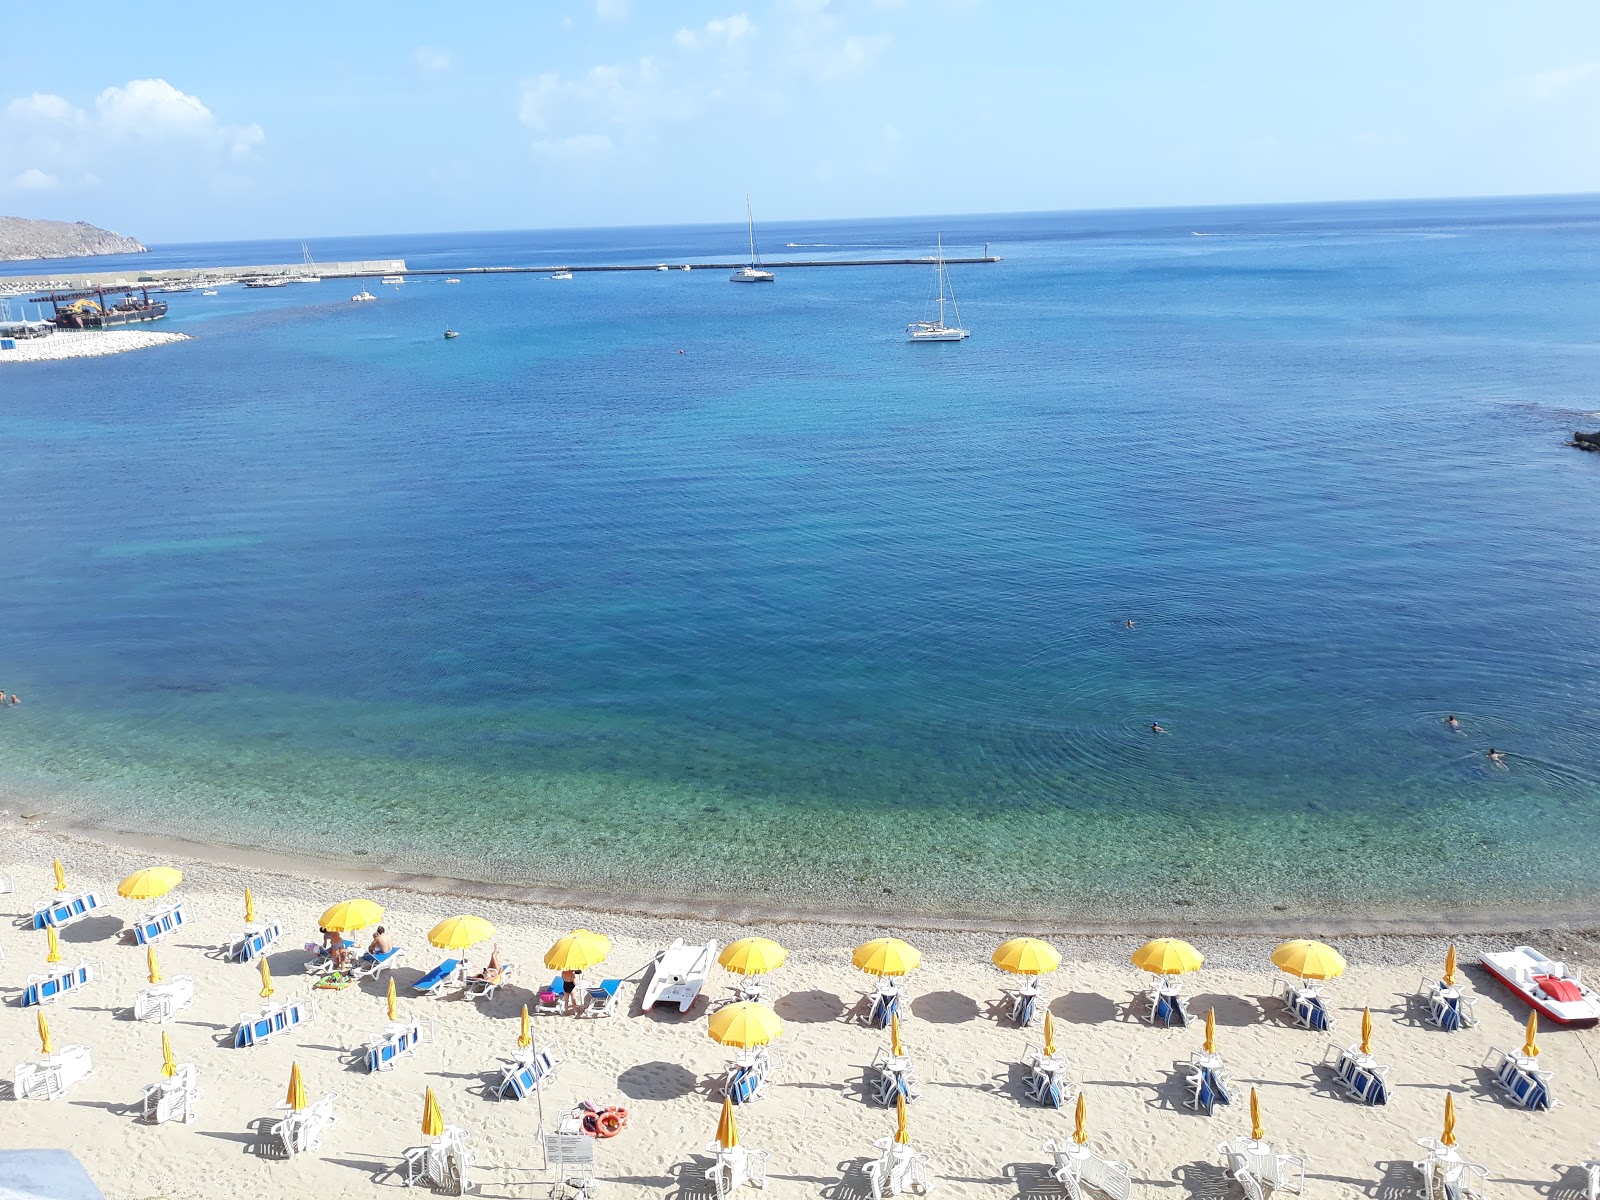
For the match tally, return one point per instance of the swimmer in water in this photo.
(1452, 722)
(1154, 728)
(1128, 623)
(1496, 756)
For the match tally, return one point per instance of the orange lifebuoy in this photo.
(611, 1122)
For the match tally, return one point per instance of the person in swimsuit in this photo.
(1497, 757)
(492, 969)
(1156, 729)
(1452, 722)
(569, 990)
(381, 943)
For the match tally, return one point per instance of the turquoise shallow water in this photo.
(810, 615)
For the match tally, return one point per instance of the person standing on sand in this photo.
(569, 990)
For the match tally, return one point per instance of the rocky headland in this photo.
(24, 238)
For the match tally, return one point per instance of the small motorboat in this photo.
(362, 296)
(1549, 985)
(562, 275)
(452, 280)
(451, 333)
(209, 293)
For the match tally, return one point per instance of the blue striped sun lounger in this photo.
(439, 978)
(42, 989)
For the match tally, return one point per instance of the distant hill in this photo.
(23, 238)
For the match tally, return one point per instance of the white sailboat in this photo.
(936, 330)
(309, 274)
(751, 272)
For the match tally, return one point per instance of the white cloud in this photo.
(727, 30)
(613, 10)
(35, 180)
(431, 60)
(151, 106)
(42, 106)
(1548, 84)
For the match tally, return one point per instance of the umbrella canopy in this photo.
(1256, 1132)
(1049, 1035)
(744, 1025)
(432, 1115)
(727, 1127)
(460, 933)
(1080, 1121)
(52, 944)
(887, 956)
(1027, 956)
(350, 915)
(578, 951)
(297, 1090)
(154, 974)
(525, 1038)
(249, 906)
(752, 956)
(44, 1035)
(1448, 1137)
(393, 1011)
(1168, 956)
(1211, 1031)
(149, 883)
(169, 1061)
(1530, 1044)
(1308, 960)
(902, 1133)
(1366, 1030)
(61, 877)
(1450, 967)
(266, 980)
(895, 1044)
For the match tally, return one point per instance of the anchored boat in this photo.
(1548, 984)
(751, 272)
(936, 330)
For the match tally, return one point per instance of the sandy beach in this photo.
(88, 343)
(815, 1121)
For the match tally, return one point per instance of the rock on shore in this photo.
(22, 238)
(88, 343)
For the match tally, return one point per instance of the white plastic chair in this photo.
(748, 1075)
(301, 1132)
(51, 1076)
(1050, 1080)
(1258, 1169)
(164, 1001)
(1448, 1176)
(1523, 1079)
(444, 1165)
(899, 1170)
(173, 1099)
(1449, 1008)
(736, 1167)
(1078, 1167)
(891, 1076)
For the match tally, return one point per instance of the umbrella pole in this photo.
(538, 1097)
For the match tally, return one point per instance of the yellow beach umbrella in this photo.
(1366, 1030)
(752, 956)
(525, 1038)
(1308, 960)
(154, 975)
(902, 1132)
(460, 933)
(149, 883)
(1080, 1121)
(169, 1061)
(61, 877)
(266, 979)
(52, 944)
(1530, 1044)
(350, 915)
(1211, 1031)
(297, 1090)
(887, 956)
(578, 951)
(432, 1115)
(1450, 967)
(1027, 956)
(727, 1127)
(1256, 1132)
(1168, 956)
(394, 1014)
(44, 1035)
(1049, 1035)
(249, 906)
(1448, 1137)
(744, 1024)
(895, 1044)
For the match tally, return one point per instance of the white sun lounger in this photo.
(678, 974)
(891, 1076)
(59, 982)
(273, 1019)
(173, 1099)
(523, 1074)
(1258, 1169)
(1449, 1008)
(1305, 1004)
(1523, 1079)
(748, 1075)
(1078, 1168)
(400, 1039)
(1209, 1082)
(161, 922)
(64, 909)
(301, 1132)
(1169, 1007)
(1050, 1080)
(1021, 1003)
(256, 940)
(1591, 1168)
(899, 1170)
(375, 966)
(735, 1167)
(51, 1076)
(1448, 1176)
(444, 1165)
(1359, 1075)
(482, 989)
(164, 1001)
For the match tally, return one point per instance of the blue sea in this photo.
(652, 586)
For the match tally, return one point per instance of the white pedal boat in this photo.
(679, 973)
(1556, 991)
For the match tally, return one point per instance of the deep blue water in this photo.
(810, 613)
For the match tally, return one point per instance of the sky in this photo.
(184, 122)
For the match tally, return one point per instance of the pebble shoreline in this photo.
(89, 343)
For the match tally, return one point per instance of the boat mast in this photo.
(938, 275)
(751, 218)
(945, 271)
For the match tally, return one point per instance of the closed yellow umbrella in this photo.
(578, 951)
(902, 1132)
(727, 1127)
(297, 1089)
(149, 883)
(1080, 1123)
(432, 1115)
(1168, 956)
(169, 1061)
(460, 933)
(1366, 1030)
(1450, 967)
(61, 877)
(1308, 960)
(1211, 1031)
(1448, 1137)
(1049, 1035)
(1530, 1044)
(154, 975)
(525, 1038)
(266, 980)
(350, 915)
(1256, 1132)
(752, 956)
(895, 1044)
(744, 1025)
(44, 1034)
(52, 945)
(887, 956)
(394, 1014)
(1027, 956)
(249, 907)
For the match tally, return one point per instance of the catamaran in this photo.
(751, 272)
(936, 330)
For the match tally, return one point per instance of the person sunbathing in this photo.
(340, 955)
(381, 943)
(492, 970)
